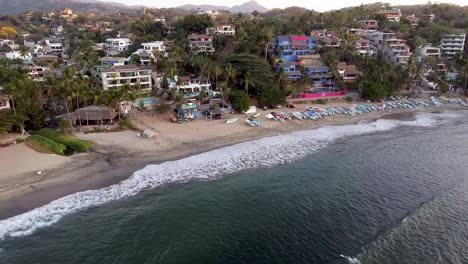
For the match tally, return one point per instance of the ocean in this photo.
(386, 191)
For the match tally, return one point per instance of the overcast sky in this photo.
(310, 4)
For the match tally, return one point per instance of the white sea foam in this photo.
(351, 260)
(265, 152)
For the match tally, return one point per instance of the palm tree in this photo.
(217, 72)
(68, 74)
(87, 94)
(23, 52)
(230, 73)
(51, 87)
(247, 82)
(98, 94)
(267, 35)
(13, 91)
(78, 86)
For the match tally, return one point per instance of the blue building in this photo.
(291, 70)
(320, 76)
(289, 47)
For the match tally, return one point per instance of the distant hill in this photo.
(247, 7)
(17, 6)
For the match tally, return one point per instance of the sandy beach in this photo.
(117, 155)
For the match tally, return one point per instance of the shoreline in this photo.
(109, 163)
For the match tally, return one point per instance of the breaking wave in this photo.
(265, 152)
(350, 259)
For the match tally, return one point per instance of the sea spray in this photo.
(265, 152)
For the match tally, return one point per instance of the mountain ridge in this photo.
(247, 7)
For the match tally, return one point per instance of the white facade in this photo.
(396, 51)
(228, 30)
(192, 86)
(363, 47)
(54, 48)
(130, 74)
(57, 30)
(453, 44)
(429, 51)
(146, 53)
(117, 44)
(154, 46)
(162, 20)
(17, 55)
(378, 37)
(4, 102)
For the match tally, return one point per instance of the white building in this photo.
(14, 55)
(429, 51)
(189, 86)
(57, 30)
(161, 20)
(129, 74)
(114, 46)
(147, 53)
(378, 37)
(396, 51)
(363, 47)
(4, 102)
(453, 43)
(228, 30)
(201, 43)
(9, 43)
(54, 48)
(213, 14)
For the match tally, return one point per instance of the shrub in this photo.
(45, 145)
(349, 99)
(239, 100)
(69, 141)
(65, 125)
(125, 122)
(162, 108)
(321, 101)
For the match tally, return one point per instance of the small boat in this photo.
(231, 120)
(254, 122)
(297, 115)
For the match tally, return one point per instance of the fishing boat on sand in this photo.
(231, 120)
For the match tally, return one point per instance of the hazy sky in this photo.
(310, 4)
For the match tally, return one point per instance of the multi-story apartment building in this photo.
(313, 67)
(128, 74)
(396, 51)
(148, 51)
(201, 43)
(288, 48)
(377, 38)
(453, 44)
(429, 51)
(190, 86)
(363, 46)
(114, 46)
